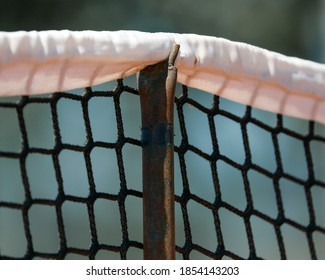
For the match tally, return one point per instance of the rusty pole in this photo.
(157, 91)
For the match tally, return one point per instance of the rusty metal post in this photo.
(157, 91)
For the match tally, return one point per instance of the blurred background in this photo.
(291, 27)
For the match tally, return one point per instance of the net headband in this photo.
(50, 61)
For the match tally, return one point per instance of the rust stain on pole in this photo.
(157, 91)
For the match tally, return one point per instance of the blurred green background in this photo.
(292, 27)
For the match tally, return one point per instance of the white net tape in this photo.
(49, 61)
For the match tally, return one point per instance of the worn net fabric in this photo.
(247, 185)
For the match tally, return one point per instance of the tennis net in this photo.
(249, 184)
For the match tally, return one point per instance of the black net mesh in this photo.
(267, 185)
(248, 184)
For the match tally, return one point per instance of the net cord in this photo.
(55, 61)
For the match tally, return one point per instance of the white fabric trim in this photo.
(49, 61)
